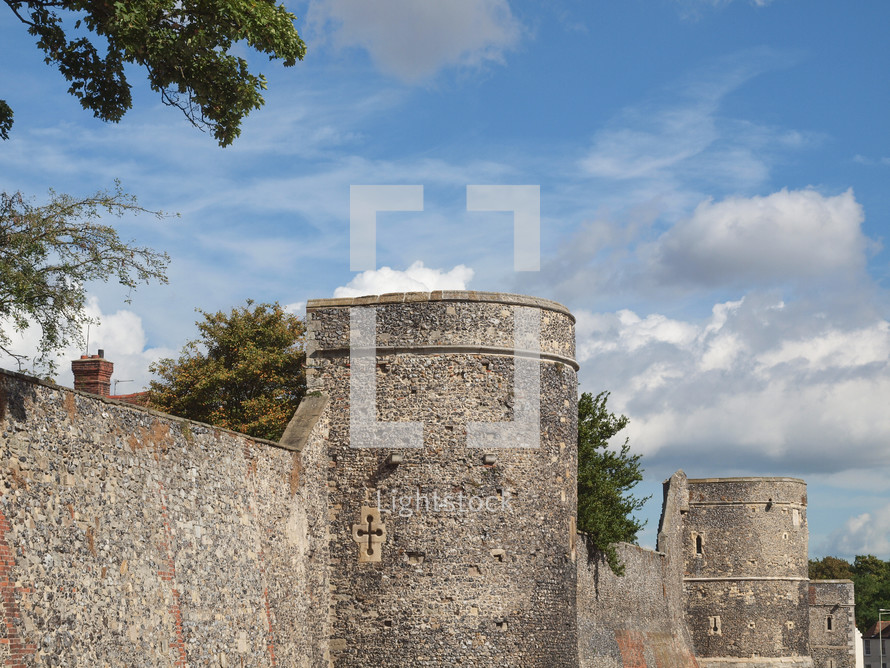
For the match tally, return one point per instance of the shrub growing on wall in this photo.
(605, 478)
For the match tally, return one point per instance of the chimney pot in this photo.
(101, 354)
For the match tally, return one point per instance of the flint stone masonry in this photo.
(477, 568)
(132, 538)
(832, 645)
(626, 622)
(746, 569)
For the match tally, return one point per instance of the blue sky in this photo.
(714, 208)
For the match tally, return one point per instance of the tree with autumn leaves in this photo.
(244, 373)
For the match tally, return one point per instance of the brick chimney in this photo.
(92, 373)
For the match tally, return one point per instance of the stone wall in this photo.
(132, 538)
(627, 621)
(473, 564)
(832, 624)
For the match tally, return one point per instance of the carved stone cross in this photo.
(370, 535)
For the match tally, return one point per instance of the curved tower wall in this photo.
(462, 553)
(746, 580)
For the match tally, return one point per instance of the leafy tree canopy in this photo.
(871, 579)
(830, 568)
(47, 255)
(605, 478)
(245, 373)
(184, 45)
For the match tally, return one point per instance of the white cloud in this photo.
(756, 386)
(684, 140)
(832, 350)
(412, 40)
(868, 533)
(788, 234)
(648, 145)
(416, 278)
(119, 334)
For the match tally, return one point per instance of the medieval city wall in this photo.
(132, 538)
(628, 621)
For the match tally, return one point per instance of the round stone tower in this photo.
(746, 580)
(451, 480)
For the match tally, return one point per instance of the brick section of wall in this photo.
(627, 622)
(138, 540)
(14, 648)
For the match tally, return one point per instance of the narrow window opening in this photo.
(828, 623)
(698, 545)
(714, 626)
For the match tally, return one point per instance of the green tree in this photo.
(871, 580)
(871, 576)
(47, 255)
(185, 46)
(245, 373)
(830, 568)
(605, 478)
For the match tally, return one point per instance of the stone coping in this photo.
(831, 581)
(693, 481)
(135, 407)
(440, 296)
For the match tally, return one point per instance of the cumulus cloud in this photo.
(788, 234)
(757, 386)
(868, 533)
(119, 334)
(416, 278)
(412, 40)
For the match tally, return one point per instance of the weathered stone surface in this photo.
(487, 578)
(627, 621)
(832, 623)
(746, 568)
(130, 538)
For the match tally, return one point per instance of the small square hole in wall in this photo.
(751, 625)
(499, 555)
(416, 557)
(501, 625)
(387, 623)
(789, 624)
